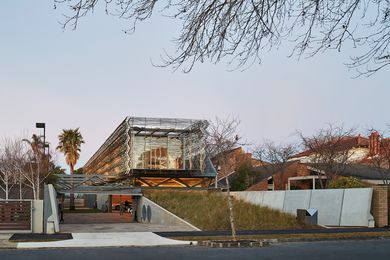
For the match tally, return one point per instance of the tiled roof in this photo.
(346, 143)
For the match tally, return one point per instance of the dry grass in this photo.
(294, 237)
(208, 210)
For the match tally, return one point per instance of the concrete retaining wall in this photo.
(37, 216)
(274, 200)
(150, 212)
(50, 210)
(330, 214)
(336, 207)
(356, 208)
(296, 199)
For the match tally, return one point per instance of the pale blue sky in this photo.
(93, 77)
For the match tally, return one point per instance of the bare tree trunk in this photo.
(20, 188)
(6, 190)
(231, 215)
(37, 188)
(34, 191)
(320, 179)
(37, 179)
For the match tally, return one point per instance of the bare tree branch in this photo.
(240, 30)
(329, 150)
(275, 157)
(222, 137)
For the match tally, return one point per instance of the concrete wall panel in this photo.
(356, 207)
(274, 199)
(296, 199)
(328, 203)
(54, 218)
(336, 207)
(254, 197)
(37, 216)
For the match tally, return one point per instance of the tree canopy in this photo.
(240, 30)
(70, 141)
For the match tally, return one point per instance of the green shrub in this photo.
(244, 178)
(342, 182)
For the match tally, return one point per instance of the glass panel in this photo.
(156, 153)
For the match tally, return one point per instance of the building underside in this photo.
(155, 152)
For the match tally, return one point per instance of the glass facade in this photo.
(152, 144)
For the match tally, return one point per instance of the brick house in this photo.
(292, 175)
(234, 159)
(300, 173)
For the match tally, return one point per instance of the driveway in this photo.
(111, 222)
(119, 227)
(91, 218)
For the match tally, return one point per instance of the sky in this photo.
(95, 76)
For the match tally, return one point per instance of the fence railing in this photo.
(15, 215)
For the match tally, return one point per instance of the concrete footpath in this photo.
(4, 241)
(141, 239)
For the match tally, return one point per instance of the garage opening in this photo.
(99, 208)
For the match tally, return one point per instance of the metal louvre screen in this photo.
(151, 144)
(172, 144)
(154, 152)
(15, 215)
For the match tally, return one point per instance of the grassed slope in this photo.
(208, 210)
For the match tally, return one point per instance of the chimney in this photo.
(374, 143)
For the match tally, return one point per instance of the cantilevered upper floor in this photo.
(156, 152)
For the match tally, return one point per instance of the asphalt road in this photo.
(367, 249)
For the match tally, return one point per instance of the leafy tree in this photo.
(342, 182)
(36, 144)
(70, 141)
(244, 178)
(79, 171)
(240, 30)
(55, 170)
(38, 169)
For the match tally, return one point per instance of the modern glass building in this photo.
(156, 152)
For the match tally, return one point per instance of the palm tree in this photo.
(70, 141)
(36, 144)
(37, 163)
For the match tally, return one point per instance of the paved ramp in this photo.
(91, 218)
(120, 227)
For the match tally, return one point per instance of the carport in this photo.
(95, 190)
(94, 197)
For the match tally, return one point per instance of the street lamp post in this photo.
(42, 125)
